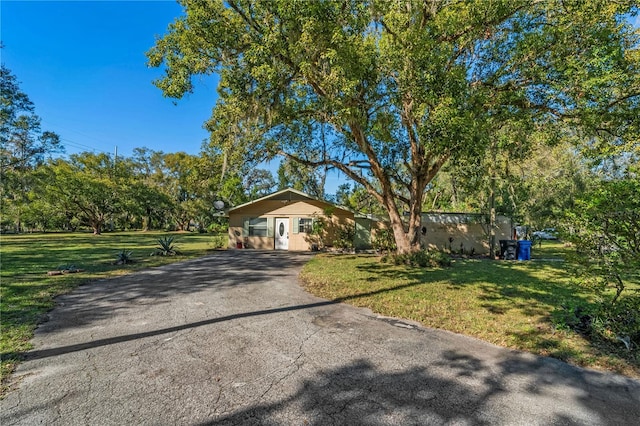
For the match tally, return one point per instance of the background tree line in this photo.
(40, 189)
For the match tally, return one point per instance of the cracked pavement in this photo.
(232, 339)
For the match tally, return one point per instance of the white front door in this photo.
(282, 234)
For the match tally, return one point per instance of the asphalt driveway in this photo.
(232, 339)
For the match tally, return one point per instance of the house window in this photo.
(258, 227)
(305, 225)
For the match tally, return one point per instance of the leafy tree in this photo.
(258, 183)
(605, 228)
(302, 177)
(150, 199)
(358, 199)
(86, 185)
(230, 177)
(184, 185)
(23, 145)
(402, 88)
(39, 214)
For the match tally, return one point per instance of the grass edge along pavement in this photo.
(508, 303)
(27, 293)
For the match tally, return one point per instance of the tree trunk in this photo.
(96, 225)
(407, 235)
(146, 220)
(492, 205)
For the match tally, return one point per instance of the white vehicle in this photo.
(546, 234)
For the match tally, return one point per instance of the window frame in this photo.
(258, 224)
(305, 227)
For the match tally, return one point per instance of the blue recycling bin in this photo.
(524, 250)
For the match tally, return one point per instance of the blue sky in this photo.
(83, 65)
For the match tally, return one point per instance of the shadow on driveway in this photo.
(360, 394)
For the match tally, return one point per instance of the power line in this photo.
(78, 145)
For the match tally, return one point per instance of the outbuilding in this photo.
(464, 233)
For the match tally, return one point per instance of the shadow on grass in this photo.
(536, 291)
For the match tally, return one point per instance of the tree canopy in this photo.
(389, 92)
(23, 145)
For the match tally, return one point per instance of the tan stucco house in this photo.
(285, 220)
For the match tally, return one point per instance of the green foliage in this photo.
(23, 147)
(303, 178)
(124, 257)
(218, 226)
(219, 241)
(616, 325)
(383, 241)
(90, 185)
(316, 238)
(605, 229)
(345, 236)
(67, 267)
(421, 259)
(166, 247)
(22, 143)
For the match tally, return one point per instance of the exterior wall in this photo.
(466, 232)
(272, 209)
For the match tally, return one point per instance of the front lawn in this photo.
(27, 292)
(508, 303)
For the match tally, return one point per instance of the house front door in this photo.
(282, 234)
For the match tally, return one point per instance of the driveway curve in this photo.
(232, 339)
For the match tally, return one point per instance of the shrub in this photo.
(383, 241)
(345, 238)
(617, 324)
(219, 241)
(166, 247)
(218, 228)
(123, 257)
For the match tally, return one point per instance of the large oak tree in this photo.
(387, 92)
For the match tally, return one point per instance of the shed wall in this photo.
(458, 233)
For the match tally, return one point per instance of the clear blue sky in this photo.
(83, 65)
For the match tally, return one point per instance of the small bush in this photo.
(617, 324)
(123, 257)
(166, 247)
(218, 228)
(346, 235)
(383, 241)
(67, 268)
(219, 241)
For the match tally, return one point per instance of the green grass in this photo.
(27, 292)
(511, 304)
(548, 250)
